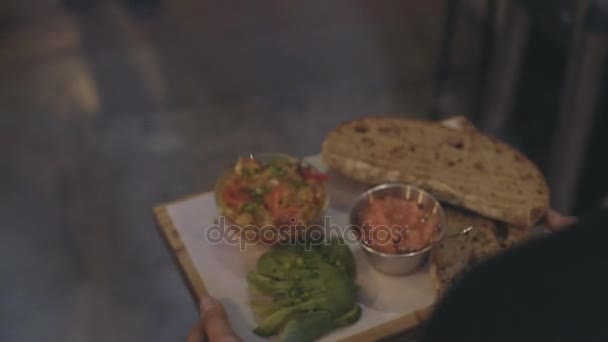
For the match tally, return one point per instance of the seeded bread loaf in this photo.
(452, 258)
(462, 166)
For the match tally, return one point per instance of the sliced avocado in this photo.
(351, 317)
(269, 285)
(339, 255)
(312, 288)
(308, 326)
(263, 310)
(275, 321)
(340, 291)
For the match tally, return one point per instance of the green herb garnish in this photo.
(277, 167)
(277, 171)
(250, 207)
(298, 184)
(257, 194)
(257, 197)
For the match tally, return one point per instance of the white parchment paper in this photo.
(223, 267)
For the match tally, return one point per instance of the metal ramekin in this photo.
(398, 264)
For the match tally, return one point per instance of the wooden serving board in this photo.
(391, 305)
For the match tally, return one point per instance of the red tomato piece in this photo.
(235, 195)
(272, 199)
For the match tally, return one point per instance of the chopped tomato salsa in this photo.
(279, 192)
(394, 225)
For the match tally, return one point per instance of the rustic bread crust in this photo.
(451, 259)
(462, 166)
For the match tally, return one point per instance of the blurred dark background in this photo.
(110, 107)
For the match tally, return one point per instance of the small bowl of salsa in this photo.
(397, 225)
(271, 197)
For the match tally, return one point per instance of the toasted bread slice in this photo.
(452, 258)
(462, 167)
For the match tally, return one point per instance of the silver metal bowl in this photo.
(398, 264)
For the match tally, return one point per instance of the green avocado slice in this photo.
(308, 326)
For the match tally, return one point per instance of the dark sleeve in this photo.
(551, 289)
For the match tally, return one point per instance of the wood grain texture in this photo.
(197, 288)
(192, 278)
